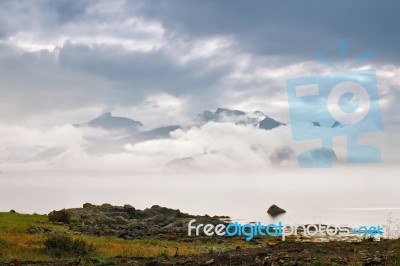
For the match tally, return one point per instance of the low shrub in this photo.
(63, 245)
(162, 256)
(367, 239)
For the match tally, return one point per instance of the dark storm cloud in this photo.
(22, 15)
(294, 29)
(136, 74)
(119, 53)
(36, 84)
(66, 10)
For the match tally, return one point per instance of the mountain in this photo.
(316, 124)
(335, 124)
(228, 112)
(129, 128)
(238, 117)
(189, 161)
(269, 123)
(157, 133)
(322, 157)
(222, 115)
(109, 122)
(133, 135)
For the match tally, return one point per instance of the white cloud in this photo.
(68, 63)
(219, 145)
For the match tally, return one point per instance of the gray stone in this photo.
(275, 210)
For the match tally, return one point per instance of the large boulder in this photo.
(275, 210)
(62, 216)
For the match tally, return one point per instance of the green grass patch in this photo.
(319, 249)
(19, 223)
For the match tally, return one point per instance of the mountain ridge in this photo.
(109, 122)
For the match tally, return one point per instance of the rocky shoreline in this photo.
(105, 226)
(127, 222)
(157, 222)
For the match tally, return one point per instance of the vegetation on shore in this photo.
(31, 238)
(43, 240)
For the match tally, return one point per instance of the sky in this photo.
(65, 62)
(76, 59)
(162, 62)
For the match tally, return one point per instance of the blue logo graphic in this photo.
(283, 230)
(343, 103)
(368, 231)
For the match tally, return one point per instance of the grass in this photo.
(317, 263)
(352, 249)
(319, 249)
(19, 223)
(16, 243)
(163, 255)
(368, 239)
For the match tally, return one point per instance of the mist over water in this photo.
(354, 195)
(216, 168)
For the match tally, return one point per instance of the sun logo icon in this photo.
(343, 103)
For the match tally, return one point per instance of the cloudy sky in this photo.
(66, 62)
(72, 60)
(163, 62)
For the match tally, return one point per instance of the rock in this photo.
(121, 220)
(128, 207)
(37, 230)
(275, 210)
(377, 260)
(106, 206)
(267, 260)
(62, 216)
(130, 210)
(128, 222)
(209, 262)
(88, 205)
